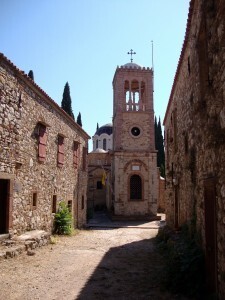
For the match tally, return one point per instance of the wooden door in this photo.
(210, 234)
(4, 205)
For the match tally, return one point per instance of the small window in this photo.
(104, 144)
(186, 147)
(70, 205)
(76, 154)
(99, 185)
(60, 158)
(189, 66)
(82, 203)
(42, 142)
(135, 131)
(54, 204)
(34, 200)
(96, 144)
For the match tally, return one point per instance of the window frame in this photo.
(141, 187)
(61, 151)
(104, 144)
(42, 142)
(76, 152)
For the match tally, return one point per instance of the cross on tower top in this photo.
(131, 53)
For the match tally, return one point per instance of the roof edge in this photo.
(39, 90)
(188, 26)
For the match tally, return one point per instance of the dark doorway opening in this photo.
(4, 205)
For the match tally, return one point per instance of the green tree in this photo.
(156, 134)
(31, 74)
(79, 122)
(66, 101)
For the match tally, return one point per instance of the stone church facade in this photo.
(43, 156)
(195, 136)
(134, 167)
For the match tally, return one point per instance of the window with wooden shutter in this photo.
(75, 154)
(60, 151)
(84, 158)
(42, 142)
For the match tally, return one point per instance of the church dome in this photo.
(99, 150)
(132, 65)
(107, 128)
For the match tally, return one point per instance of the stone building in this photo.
(195, 136)
(99, 178)
(43, 156)
(135, 177)
(99, 169)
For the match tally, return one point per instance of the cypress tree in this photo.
(159, 145)
(156, 134)
(66, 101)
(31, 74)
(79, 122)
(161, 152)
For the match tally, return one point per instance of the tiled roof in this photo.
(46, 97)
(191, 5)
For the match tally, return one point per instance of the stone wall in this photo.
(161, 197)
(195, 132)
(126, 165)
(99, 195)
(33, 183)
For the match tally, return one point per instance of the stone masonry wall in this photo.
(99, 196)
(24, 105)
(149, 174)
(195, 126)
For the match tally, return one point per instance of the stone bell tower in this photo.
(135, 173)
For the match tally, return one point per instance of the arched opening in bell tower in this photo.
(134, 92)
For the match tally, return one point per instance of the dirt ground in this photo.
(93, 264)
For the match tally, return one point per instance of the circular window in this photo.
(135, 131)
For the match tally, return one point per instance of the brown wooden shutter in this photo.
(60, 151)
(84, 158)
(75, 154)
(42, 143)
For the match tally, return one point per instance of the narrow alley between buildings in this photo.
(97, 263)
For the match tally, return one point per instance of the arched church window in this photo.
(104, 144)
(96, 144)
(135, 187)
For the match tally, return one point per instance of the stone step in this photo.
(4, 236)
(28, 241)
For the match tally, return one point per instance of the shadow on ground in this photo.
(131, 271)
(103, 220)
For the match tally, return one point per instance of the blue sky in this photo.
(83, 41)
